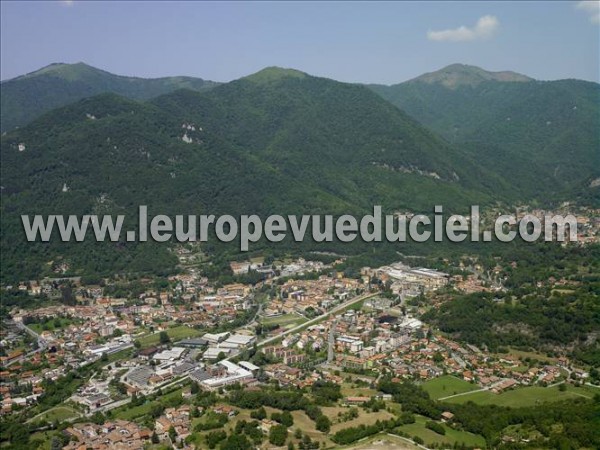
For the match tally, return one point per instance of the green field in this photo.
(59, 413)
(584, 391)
(351, 390)
(130, 413)
(447, 385)
(522, 354)
(177, 333)
(285, 320)
(42, 440)
(51, 325)
(526, 396)
(431, 437)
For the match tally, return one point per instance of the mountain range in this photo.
(27, 97)
(544, 136)
(280, 142)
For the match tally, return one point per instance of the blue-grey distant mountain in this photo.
(27, 97)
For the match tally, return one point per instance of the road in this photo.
(316, 319)
(472, 392)
(254, 321)
(308, 323)
(330, 342)
(41, 343)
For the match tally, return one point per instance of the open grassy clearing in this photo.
(59, 413)
(431, 437)
(287, 320)
(51, 325)
(447, 385)
(526, 396)
(585, 391)
(130, 413)
(522, 354)
(177, 333)
(351, 390)
(364, 418)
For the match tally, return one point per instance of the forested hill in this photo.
(543, 135)
(276, 142)
(27, 97)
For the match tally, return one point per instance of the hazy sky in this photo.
(371, 42)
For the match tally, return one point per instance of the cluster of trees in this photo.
(215, 437)
(278, 434)
(436, 427)
(212, 421)
(286, 400)
(529, 315)
(245, 436)
(412, 397)
(232, 162)
(250, 429)
(349, 435)
(515, 138)
(326, 392)
(284, 418)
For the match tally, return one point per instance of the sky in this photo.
(368, 42)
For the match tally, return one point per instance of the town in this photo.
(188, 338)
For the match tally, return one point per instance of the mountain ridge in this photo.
(28, 96)
(455, 75)
(542, 135)
(289, 146)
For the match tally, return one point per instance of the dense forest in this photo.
(533, 312)
(271, 143)
(543, 135)
(27, 97)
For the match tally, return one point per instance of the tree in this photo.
(155, 439)
(55, 443)
(436, 427)
(214, 437)
(323, 423)
(286, 419)
(164, 338)
(278, 435)
(259, 414)
(172, 433)
(97, 418)
(237, 442)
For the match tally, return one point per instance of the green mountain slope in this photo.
(272, 143)
(543, 135)
(26, 97)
